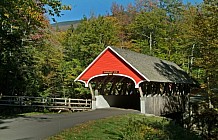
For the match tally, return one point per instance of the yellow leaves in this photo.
(34, 14)
(6, 15)
(112, 19)
(15, 27)
(66, 7)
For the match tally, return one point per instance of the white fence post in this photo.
(69, 105)
(86, 103)
(65, 101)
(142, 105)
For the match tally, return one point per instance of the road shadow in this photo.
(3, 127)
(11, 114)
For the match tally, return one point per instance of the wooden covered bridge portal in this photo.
(126, 79)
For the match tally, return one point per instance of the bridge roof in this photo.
(142, 67)
(153, 68)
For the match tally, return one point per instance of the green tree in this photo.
(124, 16)
(90, 38)
(21, 29)
(146, 30)
(205, 35)
(187, 40)
(48, 58)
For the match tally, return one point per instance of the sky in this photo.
(81, 8)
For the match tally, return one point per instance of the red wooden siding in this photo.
(107, 62)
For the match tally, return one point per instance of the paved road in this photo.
(42, 126)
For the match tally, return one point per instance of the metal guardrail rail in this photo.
(47, 102)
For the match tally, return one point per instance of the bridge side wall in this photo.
(163, 105)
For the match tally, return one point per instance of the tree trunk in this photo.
(150, 43)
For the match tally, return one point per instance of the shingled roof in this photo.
(153, 68)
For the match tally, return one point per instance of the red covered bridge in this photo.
(123, 78)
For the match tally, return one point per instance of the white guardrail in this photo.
(52, 103)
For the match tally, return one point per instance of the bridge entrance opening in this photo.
(115, 91)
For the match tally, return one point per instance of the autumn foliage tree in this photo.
(21, 28)
(206, 53)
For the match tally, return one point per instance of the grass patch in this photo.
(127, 127)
